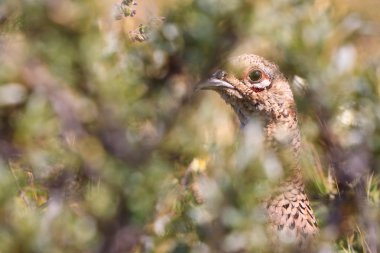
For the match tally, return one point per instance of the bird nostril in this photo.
(219, 74)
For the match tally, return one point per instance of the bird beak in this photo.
(214, 83)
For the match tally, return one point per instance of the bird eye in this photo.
(255, 75)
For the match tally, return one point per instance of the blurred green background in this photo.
(104, 146)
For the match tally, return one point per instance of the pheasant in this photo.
(254, 86)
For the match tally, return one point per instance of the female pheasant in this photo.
(255, 87)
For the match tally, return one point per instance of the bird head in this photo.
(251, 85)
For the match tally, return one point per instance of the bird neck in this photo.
(281, 131)
(278, 111)
(283, 136)
(281, 127)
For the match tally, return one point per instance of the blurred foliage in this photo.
(105, 148)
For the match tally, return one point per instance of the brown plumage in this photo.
(255, 87)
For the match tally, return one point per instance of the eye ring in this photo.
(255, 75)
